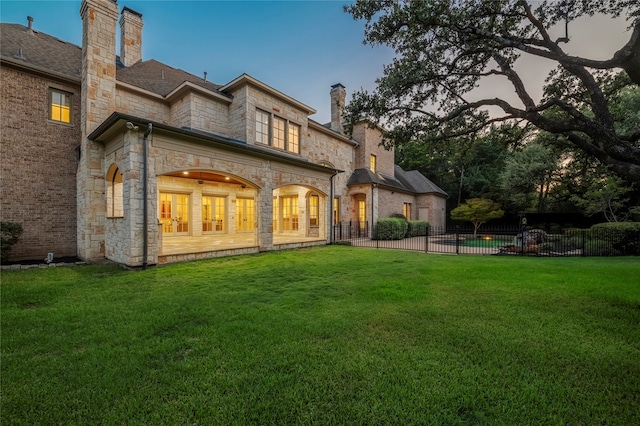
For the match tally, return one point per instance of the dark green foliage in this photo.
(618, 226)
(417, 228)
(444, 49)
(390, 228)
(603, 239)
(622, 238)
(10, 233)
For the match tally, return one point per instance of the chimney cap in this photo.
(337, 85)
(128, 9)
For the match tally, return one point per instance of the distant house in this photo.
(116, 157)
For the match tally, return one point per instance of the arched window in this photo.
(115, 192)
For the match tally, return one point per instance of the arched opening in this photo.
(206, 210)
(115, 192)
(298, 214)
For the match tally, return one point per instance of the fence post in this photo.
(584, 246)
(426, 240)
(457, 239)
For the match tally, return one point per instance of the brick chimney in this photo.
(130, 36)
(338, 96)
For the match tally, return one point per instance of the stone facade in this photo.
(185, 151)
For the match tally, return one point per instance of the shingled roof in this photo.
(412, 181)
(419, 183)
(159, 78)
(33, 49)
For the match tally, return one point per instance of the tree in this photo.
(445, 48)
(477, 211)
(526, 173)
(609, 197)
(465, 167)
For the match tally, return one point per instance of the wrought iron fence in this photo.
(492, 241)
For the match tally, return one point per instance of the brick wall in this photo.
(369, 140)
(38, 167)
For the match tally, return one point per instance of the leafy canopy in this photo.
(445, 48)
(477, 211)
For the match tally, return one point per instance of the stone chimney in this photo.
(130, 36)
(338, 96)
(98, 96)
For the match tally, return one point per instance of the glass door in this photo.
(174, 214)
(245, 214)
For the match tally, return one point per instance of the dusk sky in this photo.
(298, 47)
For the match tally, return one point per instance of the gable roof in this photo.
(32, 49)
(412, 181)
(159, 78)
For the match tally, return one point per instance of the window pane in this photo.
(294, 138)
(278, 132)
(313, 210)
(207, 214)
(60, 107)
(220, 213)
(372, 163)
(262, 127)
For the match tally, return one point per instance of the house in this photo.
(132, 160)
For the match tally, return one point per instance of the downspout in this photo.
(330, 210)
(145, 205)
(373, 186)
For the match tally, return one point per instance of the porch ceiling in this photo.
(205, 176)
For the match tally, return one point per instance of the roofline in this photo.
(188, 85)
(23, 66)
(247, 79)
(119, 120)
(140, 90)
(333, 133)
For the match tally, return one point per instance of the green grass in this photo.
(331, 335)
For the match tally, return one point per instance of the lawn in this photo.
(330, 335)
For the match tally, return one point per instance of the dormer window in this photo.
(277, 132)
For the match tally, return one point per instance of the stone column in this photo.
(265, 216)
(97, 103)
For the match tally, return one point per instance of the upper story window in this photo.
(372, 163)
(262, 127)
(60, 106)
(277, 132)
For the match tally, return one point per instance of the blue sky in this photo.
(298, 47)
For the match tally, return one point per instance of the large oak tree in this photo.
(444, 48)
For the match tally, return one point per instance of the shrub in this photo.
(417, 228)
(10, 233)
(390, 228)
(623, 237)
(598, 247)
(618, 226)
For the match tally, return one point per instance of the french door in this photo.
(174, 214)
(290, 213)
(245, 214)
